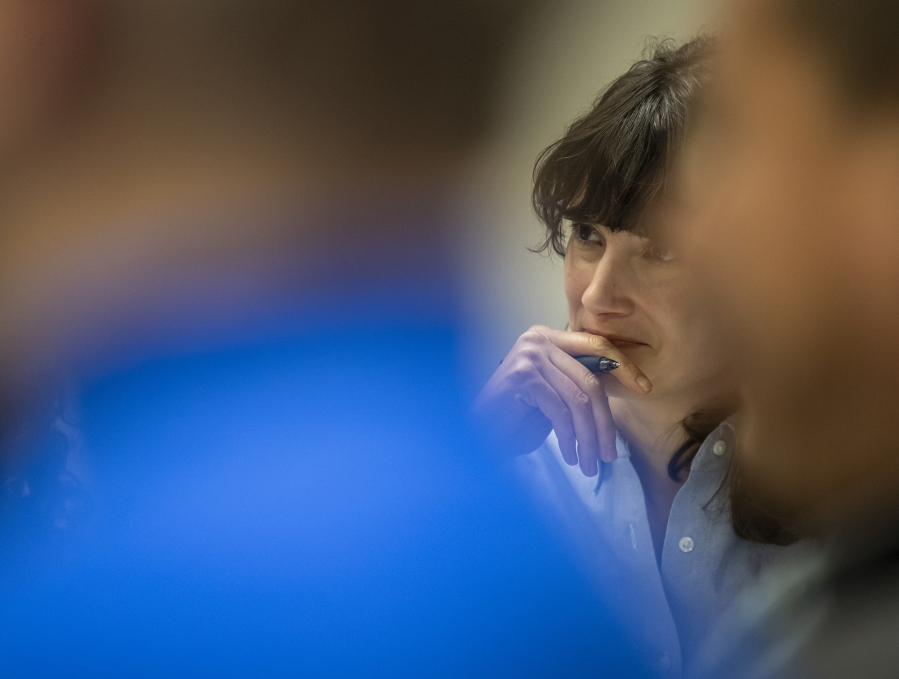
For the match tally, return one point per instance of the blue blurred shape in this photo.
(305, 505)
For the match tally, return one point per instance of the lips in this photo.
(620, 341)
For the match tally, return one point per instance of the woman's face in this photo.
(625, 288)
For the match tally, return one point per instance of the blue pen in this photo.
(597, 364)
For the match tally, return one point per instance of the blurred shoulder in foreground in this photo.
(797, 234)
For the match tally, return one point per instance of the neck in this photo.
(652, 429)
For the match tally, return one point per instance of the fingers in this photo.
(543, 396)
(541, 376)
(581, 409)
(586, 344)
(601, 414)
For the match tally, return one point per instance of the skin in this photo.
(793, 222)
(631, 302)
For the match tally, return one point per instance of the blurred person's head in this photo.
(350, 112)
(794, 170)
(199, 103)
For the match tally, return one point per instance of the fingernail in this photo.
(644, 383)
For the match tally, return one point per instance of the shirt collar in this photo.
(711, 460)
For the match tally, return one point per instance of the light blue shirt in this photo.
(667, 610)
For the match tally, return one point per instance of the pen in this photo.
(597, 364)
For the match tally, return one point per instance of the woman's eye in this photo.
(586, 233)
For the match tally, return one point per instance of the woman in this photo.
(636, 461)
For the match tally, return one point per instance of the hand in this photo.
(540, 387)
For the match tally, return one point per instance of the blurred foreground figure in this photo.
(227, 224)
(796, 169)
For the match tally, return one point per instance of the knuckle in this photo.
(528, 337)
(532, 341)
(599, 342)
(529, 353)
(522, 374)
(540, 330)
(581, 400)
(592, 381)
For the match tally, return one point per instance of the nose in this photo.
(609, 292)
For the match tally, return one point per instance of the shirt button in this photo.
(686, 544)
(719, 448)
(665, 663)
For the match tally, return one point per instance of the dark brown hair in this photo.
(613, 160)
(606, 169)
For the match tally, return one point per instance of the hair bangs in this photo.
(613, 160)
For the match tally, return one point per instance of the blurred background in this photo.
(568, 52)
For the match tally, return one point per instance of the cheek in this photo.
(577, 280)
